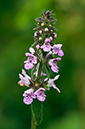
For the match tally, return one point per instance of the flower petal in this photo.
(55, 69)
(54, 86)
(20, 76)
(23, 72)
(28, 66)
(28, 54)
(55, 50)
(31, 50)
(56, 77)
(34, 60)
(28, 100)
(41, 98)
(60, 53)
(51, 62)
(38, 91)
(47, 40)
(44, 74)
(37, 46)
(46, 48)
(58, 46)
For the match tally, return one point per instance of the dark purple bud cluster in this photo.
(45, 28)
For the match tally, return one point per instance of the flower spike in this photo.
(41, 59)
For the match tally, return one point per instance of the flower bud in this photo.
(49, 25)
(51, 38)
(46, 29)
(40, 31)
(40, 38)
(36, 83)
(42, 24)
(35, 34)
(55, 35)
(51, 30)
(37, 46)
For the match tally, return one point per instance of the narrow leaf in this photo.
(37, 110)
(47, 70)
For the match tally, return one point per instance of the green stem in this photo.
(39, 70)
(33, 126)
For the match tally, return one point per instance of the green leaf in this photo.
(32, 72)
(47, 68)
(37, 110)
(40, 68)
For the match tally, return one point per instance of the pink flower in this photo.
(38, 46)
(35, 34)
(28, 96)
(46, 46)
(47, 40)
(55, 35)
(25, 80)
(40, 94)
(44, 74)
(28, 65)
(57, 49)
(53, 64)
(31, 50)
(30, 61)
(51, 83)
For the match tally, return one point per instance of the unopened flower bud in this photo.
(46, 29)
(36, 83)
(40, 31)
(47, 40)
(40, 38)
(51, 38)
(49, 25)
(37, 46)
(31, 50)
(55, 35)
(35, 34)
(42, 24)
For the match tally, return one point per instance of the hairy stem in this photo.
(33, 126)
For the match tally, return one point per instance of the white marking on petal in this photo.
(31, 50)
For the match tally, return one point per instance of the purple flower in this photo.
(47, 40)
(50, 38)
(35, 34)
(28, 65)
(40, 94)
(38, 46)
(30, 61)
(25, 80)
(53, 64)
(31, 50)
(55, 35)
(46, 46)
(44, 74)
(57, 49)
(28, 96)
(51, 83)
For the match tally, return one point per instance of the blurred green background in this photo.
(17, 20)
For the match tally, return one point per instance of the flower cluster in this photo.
(40, 59)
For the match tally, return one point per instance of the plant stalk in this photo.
(33, 126)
